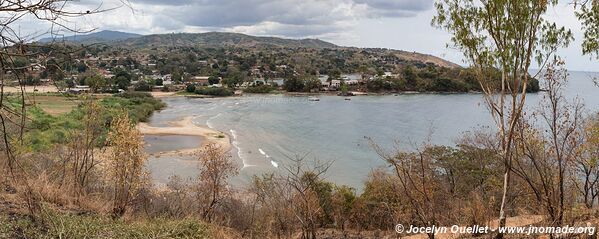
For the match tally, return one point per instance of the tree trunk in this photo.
(502, 217)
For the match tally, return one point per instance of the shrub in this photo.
(215, 91)
(294, 84)
(190, 88)
(259, 89)
(143, 86)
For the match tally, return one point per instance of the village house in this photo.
(351, 79)
(201, 80)
(335, 83)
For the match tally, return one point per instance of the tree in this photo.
(213, 80)
(96, 82)
(122, 82)
(342, 201)
(508, 36)
(335, 74)
(190, 88)
(126, 162)
(158, 81)
(312, 84)
(418, 181)
(216, 168)
(589, 17)
(142, 85)
(176, 76)
(81, 67)
(587, 165)
(305, 201)
(410, 76)
(544, 157)
(79, 155)
(294, 84)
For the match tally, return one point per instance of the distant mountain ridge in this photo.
(226, 39)
(95, 37)
(223, 39)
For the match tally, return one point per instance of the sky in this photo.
(397, 24)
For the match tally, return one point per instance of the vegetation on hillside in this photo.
(45, 130)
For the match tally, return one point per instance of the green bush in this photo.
(143, 86)
(45, 130)
(215, 91)
(259, 89)
(190, 88)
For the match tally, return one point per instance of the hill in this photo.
(222, 39)
(237, 40)
(96, 37)
(228, 40)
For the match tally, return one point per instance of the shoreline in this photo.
(186, 127)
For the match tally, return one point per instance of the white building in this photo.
(336, 83)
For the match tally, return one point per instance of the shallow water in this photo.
(267, 130)
(161, 143)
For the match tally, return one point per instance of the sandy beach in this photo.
(160, 94)
(185, 126)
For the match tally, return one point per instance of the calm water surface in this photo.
(266, 130)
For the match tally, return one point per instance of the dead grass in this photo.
(56, 104)
(53, 104)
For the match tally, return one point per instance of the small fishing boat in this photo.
(313, 99)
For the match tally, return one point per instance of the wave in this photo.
(208, 121)
(263, 153)
(235, 144)
(274, 164)
(233, 133)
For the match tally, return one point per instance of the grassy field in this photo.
(53, 104)
(56, 103)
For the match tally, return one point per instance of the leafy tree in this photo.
(335, 74)
(294, 84)
(176, 77)
(589, 16)
(190, 88)
(343, 200)
(126, 162)
(81, 67)
(122, 82)
(213, 80)
(143, 85)
(312, 84)
(70, 83)
(30, 80)
(410, 76)
(96, 82)
(504, 35)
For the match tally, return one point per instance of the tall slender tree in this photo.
(506, 35)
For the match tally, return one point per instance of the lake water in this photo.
(267, 130)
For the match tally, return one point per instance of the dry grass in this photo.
(53, 104)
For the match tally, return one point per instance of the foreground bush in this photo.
(63, 225)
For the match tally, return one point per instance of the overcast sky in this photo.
(397, 24)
